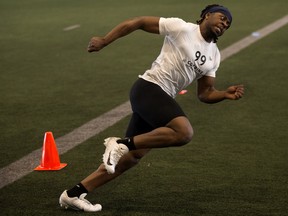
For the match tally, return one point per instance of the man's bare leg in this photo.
(100, 176)
(176, 133)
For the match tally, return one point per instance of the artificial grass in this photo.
(236, 163)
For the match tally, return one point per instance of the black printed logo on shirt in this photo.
(201, 59)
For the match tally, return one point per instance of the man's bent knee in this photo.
(185, 136)
(183, 130)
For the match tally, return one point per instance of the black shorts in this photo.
(152, 108)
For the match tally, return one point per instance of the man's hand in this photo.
(234, 92)
(96, 44)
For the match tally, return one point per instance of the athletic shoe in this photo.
(113, 153)
(78, 204)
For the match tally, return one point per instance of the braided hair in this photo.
(204, 12)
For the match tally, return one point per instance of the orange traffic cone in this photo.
(50, 157)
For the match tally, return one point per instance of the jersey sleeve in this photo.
(212, 72)
(171, 26)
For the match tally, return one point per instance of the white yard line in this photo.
(26, 165)
(69, 28)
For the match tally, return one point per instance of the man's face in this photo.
(218, 23)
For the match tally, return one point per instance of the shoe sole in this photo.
(67, 206)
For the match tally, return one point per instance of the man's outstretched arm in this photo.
(145, 23)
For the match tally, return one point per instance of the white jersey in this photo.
(185, 56)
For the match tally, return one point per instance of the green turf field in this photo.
(237, 163)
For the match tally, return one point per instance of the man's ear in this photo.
(207, 15)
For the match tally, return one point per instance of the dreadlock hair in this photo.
(202, 17)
